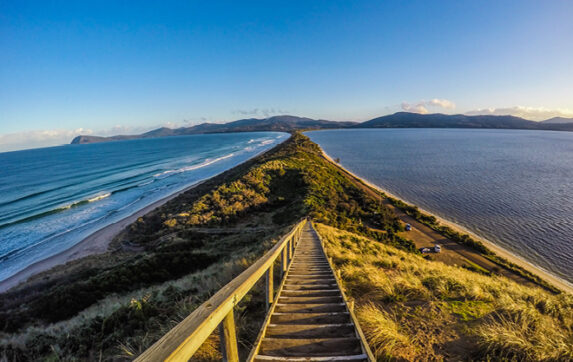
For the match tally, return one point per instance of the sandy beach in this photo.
(96, 243)
(556, 281)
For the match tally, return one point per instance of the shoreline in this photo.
(98, 242)
(498, 250)
(95, 243)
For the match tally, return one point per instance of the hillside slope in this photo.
(437, 120)
(417, 310)
(558, 120)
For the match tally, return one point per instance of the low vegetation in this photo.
(413, 309)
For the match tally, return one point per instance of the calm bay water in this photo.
(512, 187)
(52, 198)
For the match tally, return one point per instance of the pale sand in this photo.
(543, 274)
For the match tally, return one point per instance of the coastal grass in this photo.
(413, 309)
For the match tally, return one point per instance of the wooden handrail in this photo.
(181, 342)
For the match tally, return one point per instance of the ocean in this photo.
(511, 187)
(52, 198)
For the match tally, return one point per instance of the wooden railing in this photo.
(180, 343)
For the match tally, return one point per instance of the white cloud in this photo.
(42, 138)
(531, 113)
(415, 108)
(185, 123)
(121, 130)
(443, 103)
(422, 106)
(258, 112)
(56, 137)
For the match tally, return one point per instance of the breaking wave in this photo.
(56, 210)
(194, 167)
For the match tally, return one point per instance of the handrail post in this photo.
(270, 289)
(284, 262)
(228, 336)
(289, 250)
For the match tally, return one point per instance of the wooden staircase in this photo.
(310, 320)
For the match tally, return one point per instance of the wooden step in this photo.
(311, 276)
(310, 318)
(308, 269)
(311, 330)
(301, 281)
(310, 308)
(306, 281)
(310, 262)
(304, 299)
(311, 293)
(322, 273)
(354, 358)
(319, 347)
(301, 287)
(310, 265)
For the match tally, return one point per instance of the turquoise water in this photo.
(512, 187)
(52, 198)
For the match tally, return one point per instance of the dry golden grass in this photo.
(382, 329)
(210, 350)
(414, 309)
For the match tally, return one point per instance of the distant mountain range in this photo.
(276, 123)
(437, 120)
(396, 120)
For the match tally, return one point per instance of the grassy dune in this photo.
(414, 309)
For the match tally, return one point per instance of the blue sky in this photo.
(108, 67)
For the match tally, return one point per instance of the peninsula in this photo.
(467, 301)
